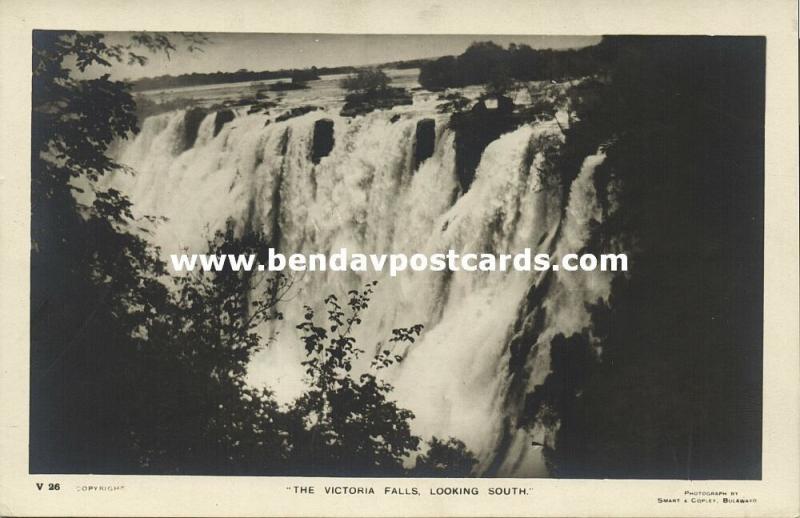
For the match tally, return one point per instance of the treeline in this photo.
(404, 65)
(481, 63)
(486, 61)
(240, 76)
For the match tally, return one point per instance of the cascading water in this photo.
(369, 195)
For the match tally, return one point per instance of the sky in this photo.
(229, 52)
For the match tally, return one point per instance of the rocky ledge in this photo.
(363, 103)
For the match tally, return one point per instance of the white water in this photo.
(365, 197)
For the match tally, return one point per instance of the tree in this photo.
(349, 421)
(439, 74)
(93, 281)
(367, 81)
(128, 374)
(500, 82)
(194, 412)
(445, 459)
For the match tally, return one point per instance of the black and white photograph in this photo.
(147, 145)
(373, 259)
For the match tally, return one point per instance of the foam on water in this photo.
(366, 197)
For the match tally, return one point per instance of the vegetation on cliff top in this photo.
(487, 63)
(369, 90)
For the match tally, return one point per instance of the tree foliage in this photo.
(448, 458)
(349, 419)
(366, 81)
(485, 62)
(93, 282)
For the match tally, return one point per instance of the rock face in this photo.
(235, 103)
(323, 140)
(261, 106)
(295, 112)
(191, 124)
(223, 117)
(498, 104)
(425, 141)
(453, 103)
(474, 130)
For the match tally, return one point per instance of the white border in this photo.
(777, 493)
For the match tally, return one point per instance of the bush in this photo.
(366, 81)
(449, 458)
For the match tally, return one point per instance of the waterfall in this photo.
(369, 195)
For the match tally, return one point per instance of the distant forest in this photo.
(485, 62)
(244, 75)
(482, 62)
